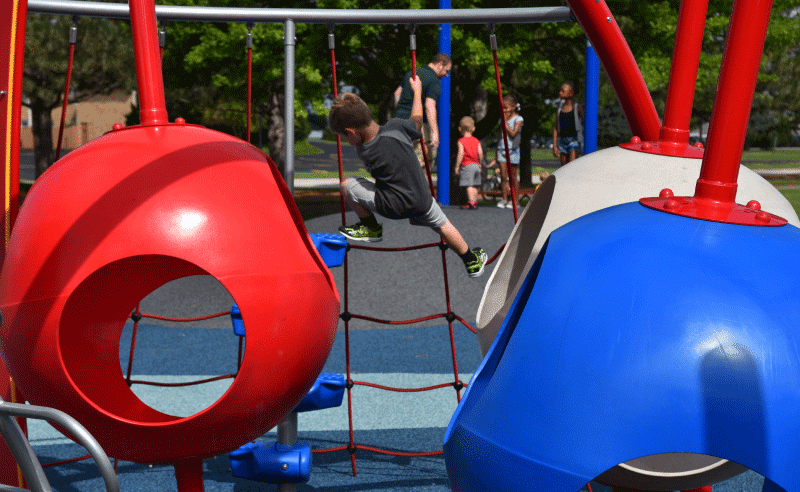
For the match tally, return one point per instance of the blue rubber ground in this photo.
(414, 365)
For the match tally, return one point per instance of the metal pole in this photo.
(443, 119)
(311, 16)
(289, 45)
(287, 435)
(592, 100)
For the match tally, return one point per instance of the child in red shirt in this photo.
(468, 167)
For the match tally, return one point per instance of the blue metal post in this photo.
(443, 119)
(592, 100)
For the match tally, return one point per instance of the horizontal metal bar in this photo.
(310, 16)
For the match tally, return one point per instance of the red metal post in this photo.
(731, 113)
(620, 66)
(683, 75)
(152, 108)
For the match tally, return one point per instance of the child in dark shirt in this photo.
(400, 190)
(568, 129)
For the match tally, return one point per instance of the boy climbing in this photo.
(400, 190)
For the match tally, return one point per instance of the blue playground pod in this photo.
(637, 334)
(331, 247)
(272, 462)
(327, 392)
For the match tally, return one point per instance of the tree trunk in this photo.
(276, 131)
(43, 152)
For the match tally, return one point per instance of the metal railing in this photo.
(26, 458)
(289, 17)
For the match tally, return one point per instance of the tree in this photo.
(205, 73)
(103, 62)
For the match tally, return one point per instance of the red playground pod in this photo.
(135, 209)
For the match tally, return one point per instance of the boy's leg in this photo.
(452, 237)
(359, 193)
(359, 209)
(472, 193)
(474, 260)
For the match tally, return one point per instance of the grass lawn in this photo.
(793, 195)
(792, 155)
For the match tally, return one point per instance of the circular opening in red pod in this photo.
(182, 355)
(91, 341)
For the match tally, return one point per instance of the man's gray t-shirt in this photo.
(401, 190)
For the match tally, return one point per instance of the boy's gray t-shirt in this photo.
(401, 190)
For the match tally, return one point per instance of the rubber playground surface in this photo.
(394, 286)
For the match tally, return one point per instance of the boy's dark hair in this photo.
(349, 111)
(441, 58)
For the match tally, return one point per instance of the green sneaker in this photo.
(475, 267)
(360, 232)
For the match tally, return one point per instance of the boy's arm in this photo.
(416, 108)
(459, 157)
(480, 152)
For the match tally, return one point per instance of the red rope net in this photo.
(347, 316)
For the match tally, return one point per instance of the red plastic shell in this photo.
(126, 213)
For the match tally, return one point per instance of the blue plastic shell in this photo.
(636, 333)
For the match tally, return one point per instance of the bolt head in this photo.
(754, 205)
(666, 193)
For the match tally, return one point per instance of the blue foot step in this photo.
(278, 463)
(272, 462)
(327, 392)
(331, 248)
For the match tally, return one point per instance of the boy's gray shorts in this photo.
(470, 175)
(362, 191)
